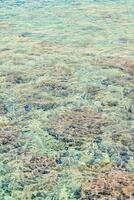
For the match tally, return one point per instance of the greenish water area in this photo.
(66, 99)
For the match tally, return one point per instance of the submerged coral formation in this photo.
(66, 100)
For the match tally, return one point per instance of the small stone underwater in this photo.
(66, 100)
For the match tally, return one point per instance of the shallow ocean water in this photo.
(66, 99)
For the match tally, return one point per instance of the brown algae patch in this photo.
(42, 167)
(30, 175)
(129, 67)
(77, 125)
(11, 141)
(38, 164)
(44, 105)
(6, 138)
(56, 88)
(115, 184)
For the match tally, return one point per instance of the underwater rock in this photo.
(77, 192)
(58, 161)
(17, 78)
(27, 107)
(106, 82)
(128, 93)
(39, 195)
(3, 109)
(20, 185)
(97, 140)
(5, 49)
(26, 34)
(130, 109)
(7, 185)
(103, 151)
(109, 103)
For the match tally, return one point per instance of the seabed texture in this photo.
(66, 100)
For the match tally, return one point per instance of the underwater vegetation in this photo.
(66, 100)
(114, 184)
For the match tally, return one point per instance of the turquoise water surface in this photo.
(66, 99)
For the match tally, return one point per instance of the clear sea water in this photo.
(66, 99)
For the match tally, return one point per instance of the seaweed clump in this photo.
(10, 140)
(6, 138)
(39, 164)
(129, 67)
(40, 173)
(115, 184)
(77, 125)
